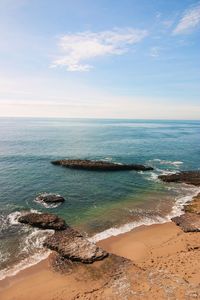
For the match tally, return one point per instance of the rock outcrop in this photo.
(43, 221)
(49, 198)
(189, 177)
(189, 222)
(193, 206)
(72, 245)
(99, 165)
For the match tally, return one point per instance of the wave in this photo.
(157, 172)
(177, 210)
(13, 217)
(31, 246)
(114, 231)
(168, 162)
(25, 263)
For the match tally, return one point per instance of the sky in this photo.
(100, 59)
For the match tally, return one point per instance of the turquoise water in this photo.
(95, 201)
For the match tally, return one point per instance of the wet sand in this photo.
(157, 261)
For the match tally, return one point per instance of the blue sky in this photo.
(105, 59)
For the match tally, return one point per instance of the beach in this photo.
(99, 150)
(142, 254)
(151, 261)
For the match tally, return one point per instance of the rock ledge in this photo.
(72, 245)
(99, 165)
(189, 177)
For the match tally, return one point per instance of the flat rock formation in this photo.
(72, 245)
(43, 221)
(193, 206)
(189, 222)
(49, 198)
(189, 177)
(99, 165)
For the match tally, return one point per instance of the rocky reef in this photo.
(70, 244)
(189, 222)
(49, 198)
(67, 242)
(43, 221)
(99, 165)
(188, 177)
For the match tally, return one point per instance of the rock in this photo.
(189, 222)
(49, 198)
(43, 221)
(189, 177)
(99, 165)
(72, 245)
(194, 205)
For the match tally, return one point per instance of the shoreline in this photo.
(107, 234)
(162, 249)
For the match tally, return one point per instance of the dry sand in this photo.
(160, 261)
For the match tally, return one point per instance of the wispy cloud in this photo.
(154, 52)
(77, 49)
(189, 21)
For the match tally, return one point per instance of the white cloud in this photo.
(189, 21)
(77, 49)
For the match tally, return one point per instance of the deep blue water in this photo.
(95, 201)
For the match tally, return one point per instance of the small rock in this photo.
(49, 198)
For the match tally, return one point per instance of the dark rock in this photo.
(49, 198)
(99, 165)
(189, 177)
(72, 245)
(43, 221)
(189, 222)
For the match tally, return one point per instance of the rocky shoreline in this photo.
(137, 265)
(72, 245)
(189, 221)
(93, 165)
(188, 177)
(66, 241)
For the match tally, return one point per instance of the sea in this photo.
(99, 204)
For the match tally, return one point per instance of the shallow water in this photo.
(95, 201)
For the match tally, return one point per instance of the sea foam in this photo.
(177, 210)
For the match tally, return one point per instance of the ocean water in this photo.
(100, 204)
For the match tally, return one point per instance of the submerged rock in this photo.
(189, 177)
(189, 222)
(43, 221)
(99, 165)
(194, 205)
(49, 198)
(72, 245)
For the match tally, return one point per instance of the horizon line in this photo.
(96, 118)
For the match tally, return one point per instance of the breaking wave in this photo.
(177, 210)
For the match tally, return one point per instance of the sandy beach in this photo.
(151, 261)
